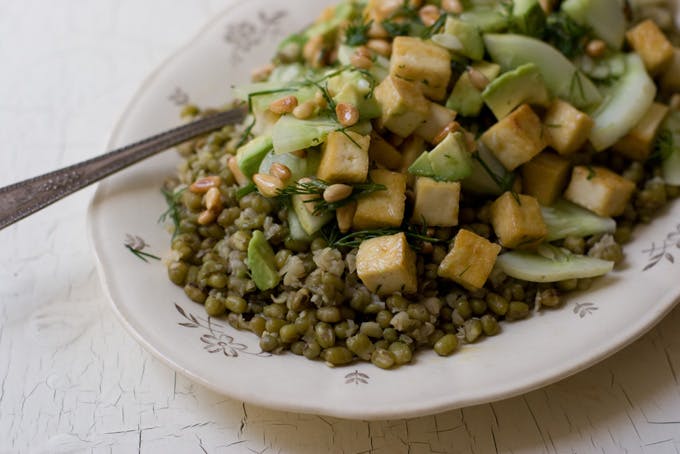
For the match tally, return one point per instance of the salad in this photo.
(413, 174)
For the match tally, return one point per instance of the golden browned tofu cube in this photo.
(470, 260)
(670, 79)
(382, 208)
(600, 190)
(436, 202)
(422, 62)
(383, 153)
(545, 177)
(344, 159)
(386, 264)
(516, 138)
(637, 144)
(403, 105)
(647, 39)
(438, 118)
(566, 127)
(517, 221)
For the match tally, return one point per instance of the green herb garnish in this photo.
(316, 187)
(245, 190)
(434, 28)
(564, 34)
(663, 145)
(172, 199)
(504, 182)
(414, 235)
(357, 33)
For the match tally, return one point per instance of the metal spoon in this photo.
(21, 199)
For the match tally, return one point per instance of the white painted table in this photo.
(72, 380)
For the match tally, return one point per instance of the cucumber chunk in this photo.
(262, 262)
(551, 264)
(604, 17)
(624, 105)
(565, 219)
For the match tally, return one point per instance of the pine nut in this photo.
(452, 6)
(320, 100)
(477, 79)
(206, 217)
(305, 110)
(240, 178)
(596, 48)
(470, 141)
(284, 105)
(415, 4)
(347, 114)
(376, 30)
(313, 51)
(280, 171)
(268, 185)
(213, 200)
(262, 73)
(380, 46)
(363, 51)
(450, 127)
(428, 15)
(427, 248)
(202, 185)
(361, 62)
(306, 198)
(337, 192)
(344, 216)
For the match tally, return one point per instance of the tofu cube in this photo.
(403, 105)
(344, 159)
(436, 202)
(670, 79)
(470, 260)
(566, 127)
(637, 144)
(647, 39)
(382, 208)
(383, 153)
(437, 119)
(545, 177)
(600, 190)
(387, 264)
(518, 225)
(422, 62)
(516, 138)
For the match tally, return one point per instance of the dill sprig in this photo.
(415, 236)
(245, 190)
(172, 199)
(434, 28)
(564, 34)
(504, 182)
(394, 28)
(357, 32)
(316, 187)
(663, 145)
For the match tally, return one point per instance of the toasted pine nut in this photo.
(337, 192)
(361, 62)
(450, 127)
(240, 178)
(268, 185)
(376, 30)
(307, 197)
(452, 6)
(470, 141)
(477, 79)
(380, 46)
(213, 200)
(428, 15)
(674, 103)
(203, 184)
(302, 154)
(304, 110)
(344, 216)
(596, 48)
(206, 217)
(313, 51)
(262, 73)
(320, 100)
(284, 105)
(280, 171)
(427, 248)
(363, 51)
(348, 115)
(415, 4)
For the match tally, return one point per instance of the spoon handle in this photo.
(21, 199)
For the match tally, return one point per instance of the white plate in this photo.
(528, 354)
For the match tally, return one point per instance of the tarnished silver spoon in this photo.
(21, 199)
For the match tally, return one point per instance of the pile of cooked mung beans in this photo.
(320, 309)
